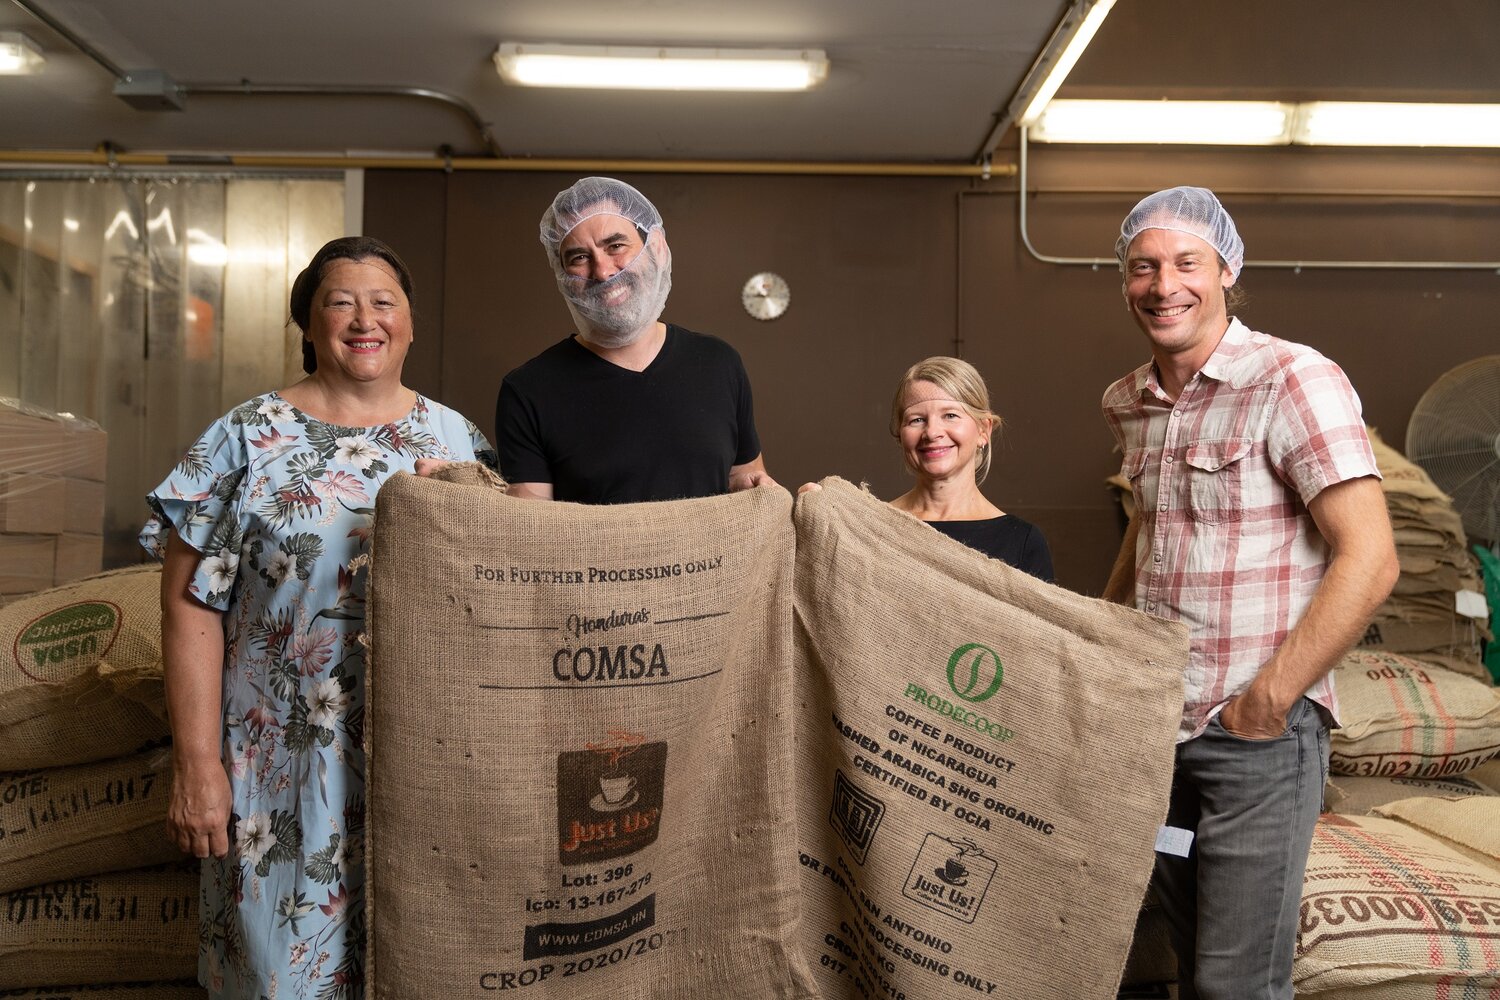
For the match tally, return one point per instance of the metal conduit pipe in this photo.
(111, 158)
(1292, 265)
(246, 88)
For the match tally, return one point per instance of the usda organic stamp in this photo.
(55, 647)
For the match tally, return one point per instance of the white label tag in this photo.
(1471, 604)
(1174, 840)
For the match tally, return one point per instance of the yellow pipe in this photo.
(101, 158)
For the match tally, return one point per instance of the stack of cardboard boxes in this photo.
(51, 498)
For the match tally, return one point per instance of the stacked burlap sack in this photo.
(1402, 893)
(85, 894)
(1421, 617)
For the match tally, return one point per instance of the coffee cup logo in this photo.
(616, 790)
(953, 872)
(609, 797)
(951, 877)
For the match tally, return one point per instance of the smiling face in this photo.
(600, 246)
(614, 280)
(1174, 287)
(360, 322)
(939, 436)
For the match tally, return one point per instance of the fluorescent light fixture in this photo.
(1065, 62)
(1269, 123)
(1205, 123)
(1343, 123)
(19, 54)
(654, 68)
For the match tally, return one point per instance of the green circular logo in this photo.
(58, 646)
(974, 672)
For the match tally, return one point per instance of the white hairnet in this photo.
(587, 198)
(648, 275)
(1191, 210)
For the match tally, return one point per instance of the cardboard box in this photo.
(77, 556)
(37, 440)
(85, 451)
(27, 562)
(31, 504)
(83, 507)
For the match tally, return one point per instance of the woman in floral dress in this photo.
(264, 528)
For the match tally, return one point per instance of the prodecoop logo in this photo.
(975, 672)
(974, 675)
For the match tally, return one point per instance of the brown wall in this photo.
(884, 272)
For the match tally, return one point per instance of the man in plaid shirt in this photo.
(1262, 527)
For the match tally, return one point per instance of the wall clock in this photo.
(766, 295)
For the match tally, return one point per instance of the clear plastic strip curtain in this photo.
(152, 305)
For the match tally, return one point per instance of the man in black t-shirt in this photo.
(630, 408)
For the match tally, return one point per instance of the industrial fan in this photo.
(1454, 434)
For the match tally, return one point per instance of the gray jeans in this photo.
(1233, 902)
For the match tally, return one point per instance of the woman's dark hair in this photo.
(306, 285)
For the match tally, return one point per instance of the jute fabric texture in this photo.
(1389, 912)
(63, 822)
(1471, 825)
(119, 991)
(58, 703)
(580, 747)
(135, 926)
(1351, 796)
(1405, 718)
(983, 762)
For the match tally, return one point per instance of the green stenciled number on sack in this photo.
(974, 668)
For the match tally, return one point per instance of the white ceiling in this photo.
(910, 80)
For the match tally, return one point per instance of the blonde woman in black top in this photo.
(941, 417)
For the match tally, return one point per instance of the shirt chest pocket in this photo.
(1215, 474)
(1132, 470)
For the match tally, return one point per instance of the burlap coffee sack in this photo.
(1451, 637)
(983, 762)
(1471, 823)
(1403, 718)
(1353, 796)
(56, 707)
(82, 820)
(580, 777)
(112, 991)
(1441, 578)
(1385, 905)
(1487, 774)
(1452, 642)
(125, 927)
(1454, 987)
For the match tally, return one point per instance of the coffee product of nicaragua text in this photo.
(983, 762)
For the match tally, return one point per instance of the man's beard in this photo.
(648, 281)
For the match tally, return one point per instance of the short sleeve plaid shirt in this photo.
(1222, 479)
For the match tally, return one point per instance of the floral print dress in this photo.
(280, 505)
